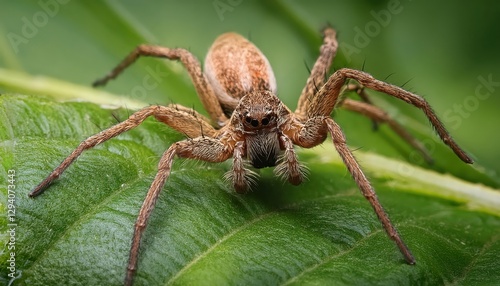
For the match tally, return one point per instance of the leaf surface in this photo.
(202, 232)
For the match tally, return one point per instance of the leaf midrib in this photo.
(248, 223)
(331, 257)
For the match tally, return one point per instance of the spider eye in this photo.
(265, 120)
(252, 121)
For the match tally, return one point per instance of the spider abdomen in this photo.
(235, 67)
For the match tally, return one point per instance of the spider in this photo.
(250, 124)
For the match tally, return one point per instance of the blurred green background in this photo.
(447, 50)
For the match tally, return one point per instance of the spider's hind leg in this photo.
(378, 115)
(360, 91)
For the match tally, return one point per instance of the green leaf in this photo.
(202, 232)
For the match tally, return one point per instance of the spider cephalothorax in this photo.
(252, 126)
(260, 126)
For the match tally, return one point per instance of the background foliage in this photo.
(80, 230)
(429, 44)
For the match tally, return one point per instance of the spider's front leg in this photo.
(326, 98)
(313, 132)
(366, 188)
(319, 98)
(201, 148)
(204, 147)
(180, 118)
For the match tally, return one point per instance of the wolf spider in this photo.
(249, 123)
